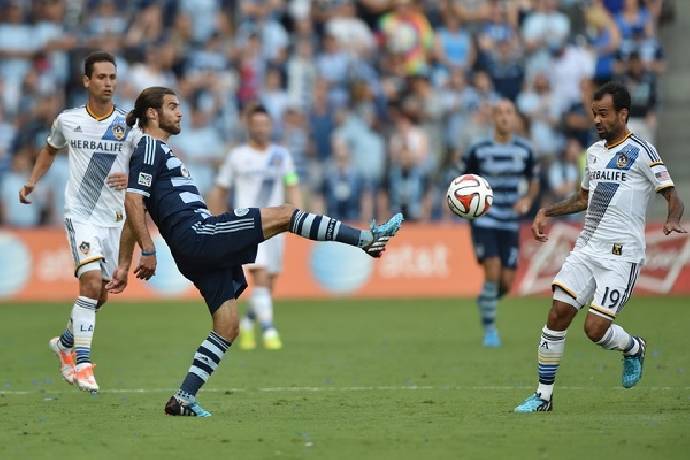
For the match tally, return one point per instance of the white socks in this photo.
(549, 353)
(263, 306)
(83, 325)
(616, 338)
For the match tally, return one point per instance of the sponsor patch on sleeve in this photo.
(144, 179)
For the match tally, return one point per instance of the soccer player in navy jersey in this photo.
(506, 161)
(209, 250)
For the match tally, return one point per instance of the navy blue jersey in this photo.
(508, 168)
(170, 194)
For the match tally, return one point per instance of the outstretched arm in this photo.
(134, 205)
(575, 203)
(43, 163)
(675, 211)
(127, 240)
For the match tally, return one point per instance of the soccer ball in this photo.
(469, 196)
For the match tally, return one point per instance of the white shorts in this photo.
(603, 284)
(269, 255)
(93, 247)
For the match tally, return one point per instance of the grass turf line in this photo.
(462, 407)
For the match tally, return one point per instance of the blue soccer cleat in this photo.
(492, 339)
(382, 234)
(535, 404)
(632, 365)
(188, 409)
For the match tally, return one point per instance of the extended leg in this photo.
(322, 228)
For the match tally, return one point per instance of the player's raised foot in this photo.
(492, 339)
(247, 336)
(271, 339)
(84, 378)
(175, 406)
(534, 403)
(382, 235)
(66, 359)
(632, 365)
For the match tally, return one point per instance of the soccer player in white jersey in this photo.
(622, 173)
(99, 145)
(261, 174)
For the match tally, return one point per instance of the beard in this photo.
(170, 127)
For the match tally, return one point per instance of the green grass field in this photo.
(375, 379)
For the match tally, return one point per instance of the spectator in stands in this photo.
(564, 174)
(409, 189)
(577, 118)
(202, 147)
(605, 40)
(408, 37)
(342, 185)
(544, 113)
(301, 74)
(351, 33)
(455, 46)
(332, 64)
(642, 86)
(505, 65)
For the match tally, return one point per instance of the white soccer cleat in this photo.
(65, 358)
(84, 377)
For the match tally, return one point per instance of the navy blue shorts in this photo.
(493, 242)
(210, 252)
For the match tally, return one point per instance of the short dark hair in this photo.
(258, 109)
(97, 56)
(150, 98)
(619, 93)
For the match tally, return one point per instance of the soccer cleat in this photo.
(535, 404)
(84, 378)
(492, 339)
(632, 365)
(271, 340)
(66, 360)
(247, 337)
(382, 234)
(187, 409)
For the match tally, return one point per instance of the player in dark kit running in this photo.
(209, 250)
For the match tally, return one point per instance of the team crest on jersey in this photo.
(144, 179)
(119, 131)
(241, 212)
(84, 247)
(621, 160)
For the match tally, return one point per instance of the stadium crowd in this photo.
(376, 99)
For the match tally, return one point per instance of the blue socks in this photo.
(488, 297)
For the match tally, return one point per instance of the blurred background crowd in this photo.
(376, 99)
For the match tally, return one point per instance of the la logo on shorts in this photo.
(144, 179)
(84, 247)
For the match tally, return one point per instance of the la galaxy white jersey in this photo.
(97, 148)
(258, 177)
(620, 179)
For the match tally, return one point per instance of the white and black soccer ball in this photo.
(469, 196)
